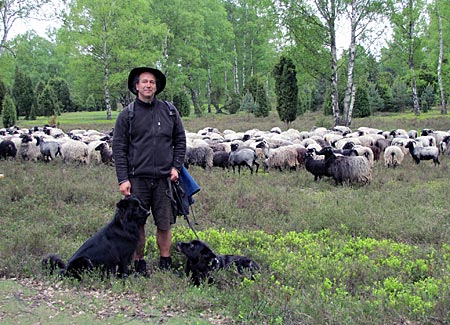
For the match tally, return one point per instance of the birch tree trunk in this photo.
(416, 105)
(208, 88)
(244, 57)
(236, 71)
(334, 68)
(439, 68)
(106, 73)
(197, 110)
(349, 91)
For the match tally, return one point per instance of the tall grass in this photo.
(329, 254)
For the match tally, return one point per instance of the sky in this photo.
(41, 27)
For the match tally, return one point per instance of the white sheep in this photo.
(393, 156)
(283, 158)
(29, 149)
(74, 151)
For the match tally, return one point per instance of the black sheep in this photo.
(220, 159)
(7, 149)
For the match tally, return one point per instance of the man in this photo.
(149, 146)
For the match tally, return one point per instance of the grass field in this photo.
(377, 254)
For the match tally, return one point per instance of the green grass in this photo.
(377, 254)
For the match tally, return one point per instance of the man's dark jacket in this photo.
(156, 144)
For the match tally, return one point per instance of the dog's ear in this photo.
(208, 255)
(123, 204)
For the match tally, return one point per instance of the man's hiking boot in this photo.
(140, 268)
(165, 263)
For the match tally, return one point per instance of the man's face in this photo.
(146, 87)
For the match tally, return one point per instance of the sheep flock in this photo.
(338, 153)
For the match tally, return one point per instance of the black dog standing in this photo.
(202, 260)
(110, 249)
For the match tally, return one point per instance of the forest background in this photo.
(222, 56)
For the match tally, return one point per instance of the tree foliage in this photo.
(181, 102)
(212, 49)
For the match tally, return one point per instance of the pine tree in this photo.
(286, 89)
(256, 88)
(3, 93)
(48, 103)
(61, 89)
(23, 94)
(362, 106)
(262, 103)
(38, 90)
(9, 116)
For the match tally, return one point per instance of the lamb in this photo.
(243, 156)
(346, 168)
(393, 156)
(423, 153)
(7, 149)
(49, 149)
(315, 165)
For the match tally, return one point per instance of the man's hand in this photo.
(125, 188)
(173, 174)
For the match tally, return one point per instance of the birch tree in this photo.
(362, 14)
(13, 10)
(407, 18)
(96, 28)
(311, 27)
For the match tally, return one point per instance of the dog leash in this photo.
(186, 217)
(171, 195)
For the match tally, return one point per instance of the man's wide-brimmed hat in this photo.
(160, 79)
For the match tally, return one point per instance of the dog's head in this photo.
(194, 249)
(201, 260)
(131, 210)
(199, 253)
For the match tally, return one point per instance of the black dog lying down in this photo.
(202, 260)
(110, 249)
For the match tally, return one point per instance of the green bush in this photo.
(233, 104)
